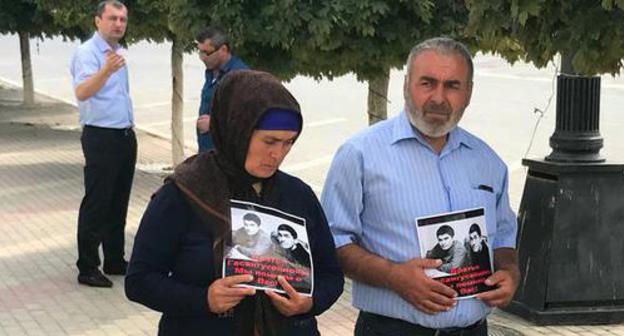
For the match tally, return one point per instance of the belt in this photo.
(121, 131)
(418, 329)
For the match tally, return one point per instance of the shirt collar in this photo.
(225, 68)
(101, 43)
(403, 130)
(229, 64)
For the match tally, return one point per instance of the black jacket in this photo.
(172, 262)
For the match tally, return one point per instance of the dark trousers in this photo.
(369, 324)
(110, 157)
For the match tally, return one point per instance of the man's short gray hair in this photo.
(101, 7)
(215, 34)
(444, 46)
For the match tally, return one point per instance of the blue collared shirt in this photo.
(385, 177)
(204, 141)
(110, 107)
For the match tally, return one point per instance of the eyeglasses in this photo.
(203, 53)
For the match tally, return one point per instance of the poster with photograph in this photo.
(268, 243)
(460, 240)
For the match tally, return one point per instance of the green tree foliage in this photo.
(150, 20)
(166, 20)
(74, 19)
(145, 22)
(27, 19)
(26, 16)
(588, 34)
(376, 36)
(332, 38)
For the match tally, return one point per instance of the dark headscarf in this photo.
(209, 180)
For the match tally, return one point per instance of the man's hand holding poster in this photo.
(459, 239)
(268, 243)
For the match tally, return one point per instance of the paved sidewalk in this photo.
(40, 191)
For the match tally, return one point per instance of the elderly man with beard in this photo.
(417, 164)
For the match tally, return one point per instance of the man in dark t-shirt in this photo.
(289, 247)
(478, 250)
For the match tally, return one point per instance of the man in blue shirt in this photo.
(216, 54)
(419, 164)
(100, 80)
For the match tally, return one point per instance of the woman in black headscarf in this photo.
(177, 258)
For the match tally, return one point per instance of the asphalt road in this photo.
(501, 112)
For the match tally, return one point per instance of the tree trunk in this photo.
(177, 102)
(27, 77)
(378, 98)
(566, 63)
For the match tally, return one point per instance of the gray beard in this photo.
(432, 131)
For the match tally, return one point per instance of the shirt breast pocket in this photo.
(484, 196)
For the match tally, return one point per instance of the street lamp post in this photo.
(571, 220)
